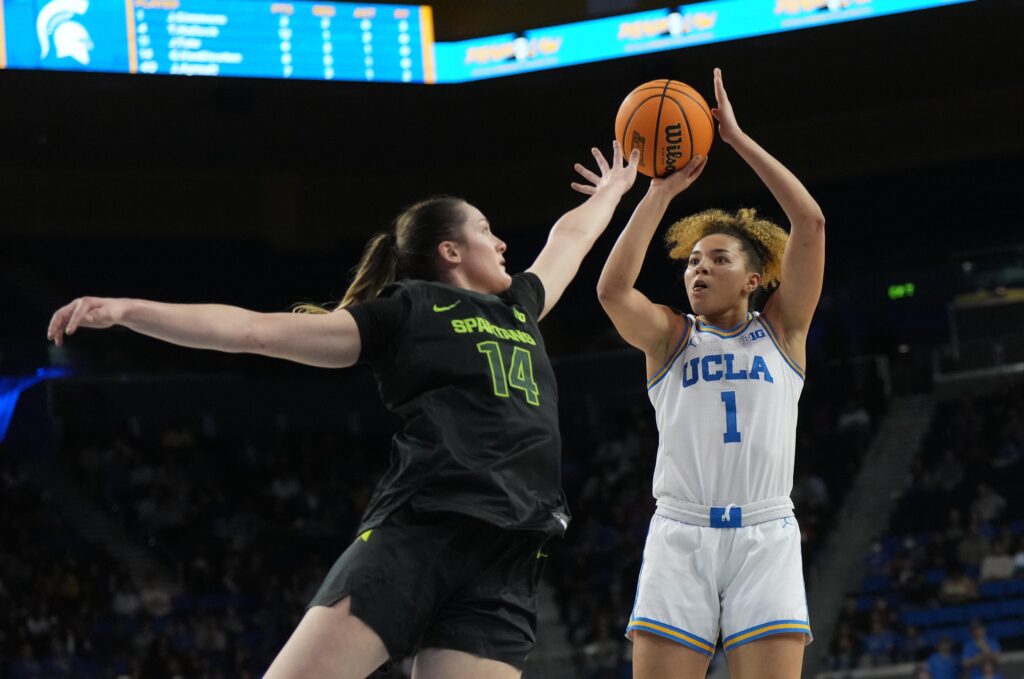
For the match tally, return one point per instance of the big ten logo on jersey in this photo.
(753, 336)
(717, 367)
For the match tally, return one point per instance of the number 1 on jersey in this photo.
(520, 374)
(732, 433)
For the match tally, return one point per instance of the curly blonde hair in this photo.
(761, 240)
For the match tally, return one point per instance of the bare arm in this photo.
(324, 340)
(803, 264)
(577, 230)
(642, 323)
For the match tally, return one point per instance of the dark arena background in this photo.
(169, 512)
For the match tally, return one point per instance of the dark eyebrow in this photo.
(716, 250)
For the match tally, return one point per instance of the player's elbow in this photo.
(611, 291)
(814, 223)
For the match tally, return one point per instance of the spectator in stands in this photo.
(958, 588)
(988, 505)
(999, 564)
(989, 669)
(810, 492)
(844, 648)
(854, 423)
(943, 664)
(912, 646)
(880, 643)
(954, 526)
(974, 546)
(979, 649)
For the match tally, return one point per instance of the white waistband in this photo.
(748, 514)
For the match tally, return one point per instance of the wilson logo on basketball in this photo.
(673, 142)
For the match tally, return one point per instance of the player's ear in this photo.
(753, 282)
(449, 252)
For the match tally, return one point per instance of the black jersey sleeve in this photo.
(527, 290)
(379, 321)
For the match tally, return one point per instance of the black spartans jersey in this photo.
(469, 376)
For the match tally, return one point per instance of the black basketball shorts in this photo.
(442, 580)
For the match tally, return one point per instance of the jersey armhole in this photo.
(773, 336)
(659, 375)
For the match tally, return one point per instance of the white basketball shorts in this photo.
(697, 582)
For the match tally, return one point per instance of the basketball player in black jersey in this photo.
(447, 559)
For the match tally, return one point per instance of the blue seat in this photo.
(874, 583)
(1006, 629)
(983, 611)
(1011, 608)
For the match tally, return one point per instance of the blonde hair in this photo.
(761, 240)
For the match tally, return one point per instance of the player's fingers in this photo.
(698, 168)
(57, 320)
(601, 162)
(64, 317)
(586, 174)
(616, 154)
(634, 157)
(720, 87)
(81, 309)
(583, 188)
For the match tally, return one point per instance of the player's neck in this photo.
(459, 280)
(725, 320)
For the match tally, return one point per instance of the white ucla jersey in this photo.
(726, 407)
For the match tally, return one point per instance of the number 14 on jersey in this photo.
(520, 371)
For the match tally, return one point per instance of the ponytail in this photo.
(409, 250)
(375, 271)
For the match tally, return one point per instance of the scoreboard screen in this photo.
(247, 38)
(699, 23)
(372, 42)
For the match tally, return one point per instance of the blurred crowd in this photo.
(944, 585)
(239, 530)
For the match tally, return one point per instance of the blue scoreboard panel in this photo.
(699, 23)
(248, 38)
(349, 41)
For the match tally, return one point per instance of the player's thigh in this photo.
(780, 656)
(329, 642)
(655, 657)
(445, 663)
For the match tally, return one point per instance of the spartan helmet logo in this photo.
(70, 39)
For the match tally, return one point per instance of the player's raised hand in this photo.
(728, 128)
(619, 176)
(680, 180)
(84, 312)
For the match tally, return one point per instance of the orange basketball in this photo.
(668, 121)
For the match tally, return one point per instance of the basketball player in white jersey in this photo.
(722, 557)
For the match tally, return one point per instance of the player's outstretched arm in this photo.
(642, 323)
(324, 340)
(803, 264)
(576, 231)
